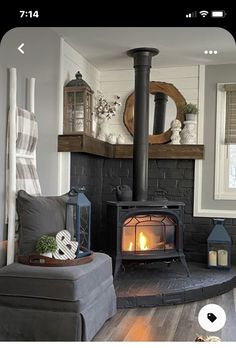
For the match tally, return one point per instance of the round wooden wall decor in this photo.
(156, 86)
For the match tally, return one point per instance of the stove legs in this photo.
(184, 263)
(117, 262)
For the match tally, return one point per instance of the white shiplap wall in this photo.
(112, 83)
(121, 82)
(71, 62)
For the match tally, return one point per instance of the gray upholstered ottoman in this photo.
(56, 303)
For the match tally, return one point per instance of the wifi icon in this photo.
(203, 13)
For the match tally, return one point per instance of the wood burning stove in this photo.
(145, 231)
(148, 233)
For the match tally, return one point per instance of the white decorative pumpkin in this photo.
(66, 248)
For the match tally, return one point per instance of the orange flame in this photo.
(130, 246)
(142, 241)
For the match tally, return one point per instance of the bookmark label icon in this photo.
(212, 317)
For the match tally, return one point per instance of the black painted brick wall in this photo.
(87, 171)
(176, 177)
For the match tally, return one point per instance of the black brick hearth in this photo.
(176, 177)
(160, 284)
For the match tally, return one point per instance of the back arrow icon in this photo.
(20, 48)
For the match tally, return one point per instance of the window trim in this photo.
(198, 210)
(221, 189)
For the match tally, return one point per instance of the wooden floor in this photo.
(168, 323)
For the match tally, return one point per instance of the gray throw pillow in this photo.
(38, 215)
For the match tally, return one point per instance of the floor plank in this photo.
(168, 323)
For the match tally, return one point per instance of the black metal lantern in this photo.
(78, 220)
(219, 246)
(78, 107)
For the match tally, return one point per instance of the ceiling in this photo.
(106, 47)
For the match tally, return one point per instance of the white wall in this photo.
(40, 60)
(112, 83)
(71, 61)
(121, 82)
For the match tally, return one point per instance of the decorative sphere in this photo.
(175, 124)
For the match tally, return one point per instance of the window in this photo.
(225, 150)
(232, 167)
(210, 196)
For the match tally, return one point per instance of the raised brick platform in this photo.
(157, 284)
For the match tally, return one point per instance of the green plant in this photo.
(46, 244)
(190, 109)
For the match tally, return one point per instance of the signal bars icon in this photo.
(191, 14)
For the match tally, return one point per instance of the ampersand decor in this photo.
(66, 248)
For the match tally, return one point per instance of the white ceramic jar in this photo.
(111, 138)
(120, 139)
(189, 133)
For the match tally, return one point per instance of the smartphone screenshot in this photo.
(118, 167)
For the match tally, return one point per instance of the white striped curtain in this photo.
(230, 125)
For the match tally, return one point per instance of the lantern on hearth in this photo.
(77, 107)
(78, 220)
(219, 246)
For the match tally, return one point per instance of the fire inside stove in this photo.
(147, 233)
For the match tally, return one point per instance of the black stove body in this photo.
(145, 231)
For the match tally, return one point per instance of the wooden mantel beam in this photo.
(86, 144)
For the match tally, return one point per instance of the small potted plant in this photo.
(190, 111)
(46, 245)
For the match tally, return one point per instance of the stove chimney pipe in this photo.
(142, 64)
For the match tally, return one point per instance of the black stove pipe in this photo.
(160, 100)
(142, 64)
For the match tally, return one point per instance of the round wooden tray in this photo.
(44, 261)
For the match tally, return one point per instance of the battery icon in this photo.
(218, 14)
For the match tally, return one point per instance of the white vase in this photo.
(191, 117)
(120, 139)
(111, 138)
(189, 133)
(102, 129)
